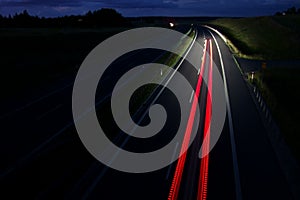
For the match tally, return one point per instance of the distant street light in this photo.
(171, 24)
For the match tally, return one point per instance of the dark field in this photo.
(280, 89)
(31, 58)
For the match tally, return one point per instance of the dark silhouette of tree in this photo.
(23, 19)
(290, 11)
(108, 17)
(99, 18)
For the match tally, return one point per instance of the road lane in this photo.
(203, 177)
(260, 174)
(231, 131)
(174, 190)
(66, 169)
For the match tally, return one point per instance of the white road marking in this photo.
(216, 31)
(204, 47)
(231, 131)
(191, 98)
(175, 70)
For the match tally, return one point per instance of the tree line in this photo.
(290, 11)
(104, 17)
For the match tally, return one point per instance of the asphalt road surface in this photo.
(42, 156)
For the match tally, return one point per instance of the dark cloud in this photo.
(142, 3)
(135, 3)
(74, 3)
(18, 3)
(150, 7)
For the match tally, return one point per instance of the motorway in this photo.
(43, 157)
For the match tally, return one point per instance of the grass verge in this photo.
(168, 59)
(273, 37)
(32, 58)
(280, 90)
(144, 93)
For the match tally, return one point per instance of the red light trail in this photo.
(173, 194)
(203, 177)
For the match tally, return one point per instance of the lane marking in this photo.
(174, 190)
(216, 31)
(191, 98)
(170, 78)
(203, 57)
(231, 130)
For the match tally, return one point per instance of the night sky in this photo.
(150, 7)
